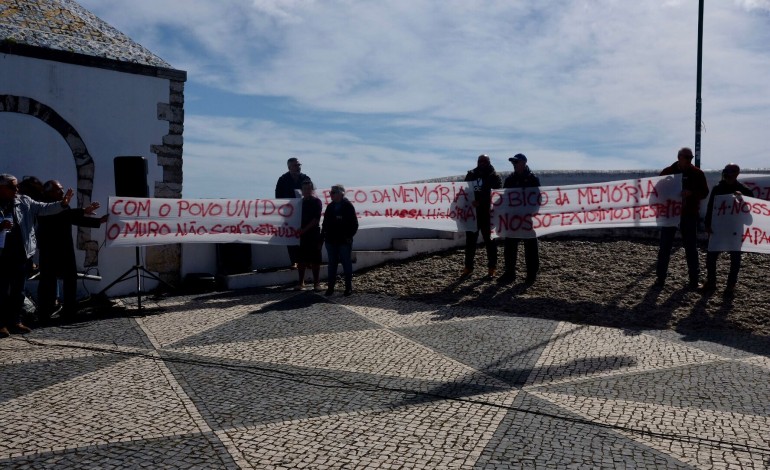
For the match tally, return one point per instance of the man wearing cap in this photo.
(521, 177)
(728, 185)
(286, 188)
(694, 189)
(483, 180)
(339, 226)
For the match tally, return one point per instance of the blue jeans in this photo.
(340, 252)
(688, 224)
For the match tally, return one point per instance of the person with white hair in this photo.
(339, 226)
(19, 214)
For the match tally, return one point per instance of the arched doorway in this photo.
(84, 164)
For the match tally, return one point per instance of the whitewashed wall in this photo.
(115, 114)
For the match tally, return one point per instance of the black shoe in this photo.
(694, 285)
(507, 278)
(348, 292)
(529, 280)
(329, 292)
(660, 282)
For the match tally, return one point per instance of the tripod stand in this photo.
(134, 271)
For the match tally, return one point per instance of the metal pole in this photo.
(698, 101)
(138, 281)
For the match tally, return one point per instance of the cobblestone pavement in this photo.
(298, 380)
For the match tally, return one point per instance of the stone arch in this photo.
(84, 164)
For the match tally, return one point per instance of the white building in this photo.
(74, 94)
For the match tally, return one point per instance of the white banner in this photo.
(148, 221)
(760, 184)
(532, 212)
(740, 224)
(439, 206)
(647, 202)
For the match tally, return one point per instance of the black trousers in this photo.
(531, 256)
(471, 240)
(688, 225)
(711, 267)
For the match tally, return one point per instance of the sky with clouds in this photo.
(382, 92)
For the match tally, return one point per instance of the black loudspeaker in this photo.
(131, 177)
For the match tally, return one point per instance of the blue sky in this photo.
(382, 92)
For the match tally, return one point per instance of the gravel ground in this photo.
(607, 282)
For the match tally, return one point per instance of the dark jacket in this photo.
(340, 223)
(311, 210)
(693, 180)
(483, 184)
(286, 186)
(54, 234)
(722, 188)
(522, 180)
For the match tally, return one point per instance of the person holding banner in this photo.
(286, 188)
(694, 189)
(483, 180)
(18, 214)
(339, 226)
(309, 236)
(522, 177)
(57, 252)
(728, 185)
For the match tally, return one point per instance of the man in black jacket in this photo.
(521, 177)
(57, 252)
(728, 185)
(694, 188)
(286, 188)
(483, 180)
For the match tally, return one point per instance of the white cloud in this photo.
(602, 84)
(256, 152)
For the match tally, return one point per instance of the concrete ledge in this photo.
(403, 248)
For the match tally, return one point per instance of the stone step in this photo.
(403, 248)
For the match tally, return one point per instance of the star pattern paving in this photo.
(275, 379)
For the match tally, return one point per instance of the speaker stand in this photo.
(135, 271)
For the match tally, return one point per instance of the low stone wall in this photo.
(569, 177)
